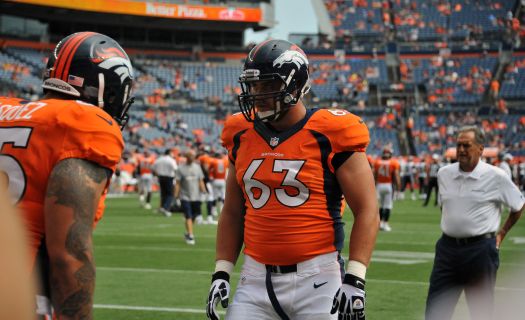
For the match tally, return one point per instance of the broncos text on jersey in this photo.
(293, 200)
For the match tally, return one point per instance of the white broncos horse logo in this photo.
(290, 56)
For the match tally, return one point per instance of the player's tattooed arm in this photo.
(72, 196)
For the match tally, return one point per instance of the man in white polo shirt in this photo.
(165, 168)
(470, 193)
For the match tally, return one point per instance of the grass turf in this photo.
(145, 270)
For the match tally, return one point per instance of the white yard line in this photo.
(154, 234)
(159, 309)
(161, 249)
(149, 270)
(106, 233)
(386, 256)
(208, 273)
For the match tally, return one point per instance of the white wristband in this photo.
(224, 265)
(356, 268)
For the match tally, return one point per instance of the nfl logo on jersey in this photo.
(274, 141)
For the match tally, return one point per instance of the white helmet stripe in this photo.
(101, 85)
(125, 96)
(290, 76)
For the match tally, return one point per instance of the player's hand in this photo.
(220, 290)
(349, 300)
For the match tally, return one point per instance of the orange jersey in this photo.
(127, 166)
(146, 163)
(205, 160)
(292, 198)
(218, 168)
(35, 136)
(384, 170)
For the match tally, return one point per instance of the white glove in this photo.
(349, 300)
(220, 290)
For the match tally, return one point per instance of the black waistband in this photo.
(281, 269)
(271, 293)
(464, 241)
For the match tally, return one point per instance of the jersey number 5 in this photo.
(19, 138)
(292, 168)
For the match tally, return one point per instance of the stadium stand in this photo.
(183, 99)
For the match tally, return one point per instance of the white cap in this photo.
(508, 157)
(435, 156)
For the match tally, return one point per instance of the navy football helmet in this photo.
(275, 70)
(95, 69)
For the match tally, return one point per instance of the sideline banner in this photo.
(155, 9)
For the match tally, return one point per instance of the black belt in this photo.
(282, 269)
(271, 293)
(465, 241)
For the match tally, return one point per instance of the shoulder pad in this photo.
(91, 134)
(346, 131)
(234, 124)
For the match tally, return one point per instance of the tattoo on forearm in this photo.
(74, 184)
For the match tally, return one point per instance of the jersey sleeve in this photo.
(346, 131)
(234, 127)
(90, 134)
(395, 165)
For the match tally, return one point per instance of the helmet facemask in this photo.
(116, 103)
(267, 97)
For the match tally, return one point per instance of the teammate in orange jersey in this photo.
(386, 172)
(127, 167)
(145, 168)
(205, 160)
(289, 169)
(59, 154)
(217, 173)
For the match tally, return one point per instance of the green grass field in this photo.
(145, 270)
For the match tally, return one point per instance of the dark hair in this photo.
(479, 135)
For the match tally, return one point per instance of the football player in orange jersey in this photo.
(145, 165)
(289, 169)
(386, 172)
(205, 160)
(217, 173)
(59, 154)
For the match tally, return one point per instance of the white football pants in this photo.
(385, 196)
(304, 295)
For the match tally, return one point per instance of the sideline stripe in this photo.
(159, 309)
(208, 273)
(402, 257)
(148, 270)
(161, 249)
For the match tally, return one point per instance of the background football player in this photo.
(59, 154)
(289, 169)
(386, 173)
(217, 173)
(146, 161)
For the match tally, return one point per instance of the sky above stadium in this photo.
(292, 16)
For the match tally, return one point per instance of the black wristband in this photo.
(354, 281)
(220, 275)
